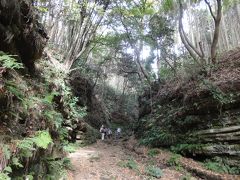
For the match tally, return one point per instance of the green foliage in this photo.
(7, 169)
(220, 165)
(14, 89)
(6, 151)
(70, 148)
(63, 133)
(30, 101)
(4, 176)
(168, 5)
(67, 98)
(42, 139)
(91, 135)
(9, 62)
(229, 3)
(16, 162)
(165, 73)
(218, 94)
(156, 137)
(183, 148)
(41, 9)
(188, 176)
(54, 117)
(29, 177)
(154, 171)
(130, 163)
(174, 160)
(57, 168)
(214, 166)
(48, 99)
(36, 100)
(75, 111)
(153, 152)
(27, 145)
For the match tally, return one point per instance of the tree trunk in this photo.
(217, 20)
(190, 48)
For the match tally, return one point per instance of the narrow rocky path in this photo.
(104, 161)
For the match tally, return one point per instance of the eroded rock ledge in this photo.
(199, 116)
(20, 32)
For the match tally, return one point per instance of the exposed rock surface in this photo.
(83, 89)
(203, 112)
(163, 157)
(25, 114)
(20, 32)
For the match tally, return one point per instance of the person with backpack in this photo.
(102, 131)
(109, 133)
(118, 133)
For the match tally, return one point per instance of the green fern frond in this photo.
(9, 62)
(42, 139)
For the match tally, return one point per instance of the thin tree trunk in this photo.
(183, 35)
(217, 20)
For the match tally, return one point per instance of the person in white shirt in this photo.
(118, 133)
(102, 131)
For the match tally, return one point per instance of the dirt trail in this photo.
(101, 161)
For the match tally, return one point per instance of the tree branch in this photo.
(210, 9)
(184, 36)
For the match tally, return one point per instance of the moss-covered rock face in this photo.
(20, 32)
(35, 127)
(83, 89)
(38, 115)
(196, 117)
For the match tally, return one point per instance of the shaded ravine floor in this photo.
(100, 161)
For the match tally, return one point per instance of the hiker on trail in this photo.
(102, 131)
(118, 133)
(105, 130)
(109, 133)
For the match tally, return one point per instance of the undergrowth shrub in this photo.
(153, 152)
(154, 171)
(91, 135)
(188, 176)
(156, 137)
(57, 168)
(186, 148)
(54, 118)
(4, 175)
(14, 89)
(174, 160)
(218, 94)
(9, 62)
(5, 157)
(130, 163)
(220, 165)
(190, 69)
(70, 147)
(166, 73)
(28, 145)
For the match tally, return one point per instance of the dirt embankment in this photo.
(202, 110)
